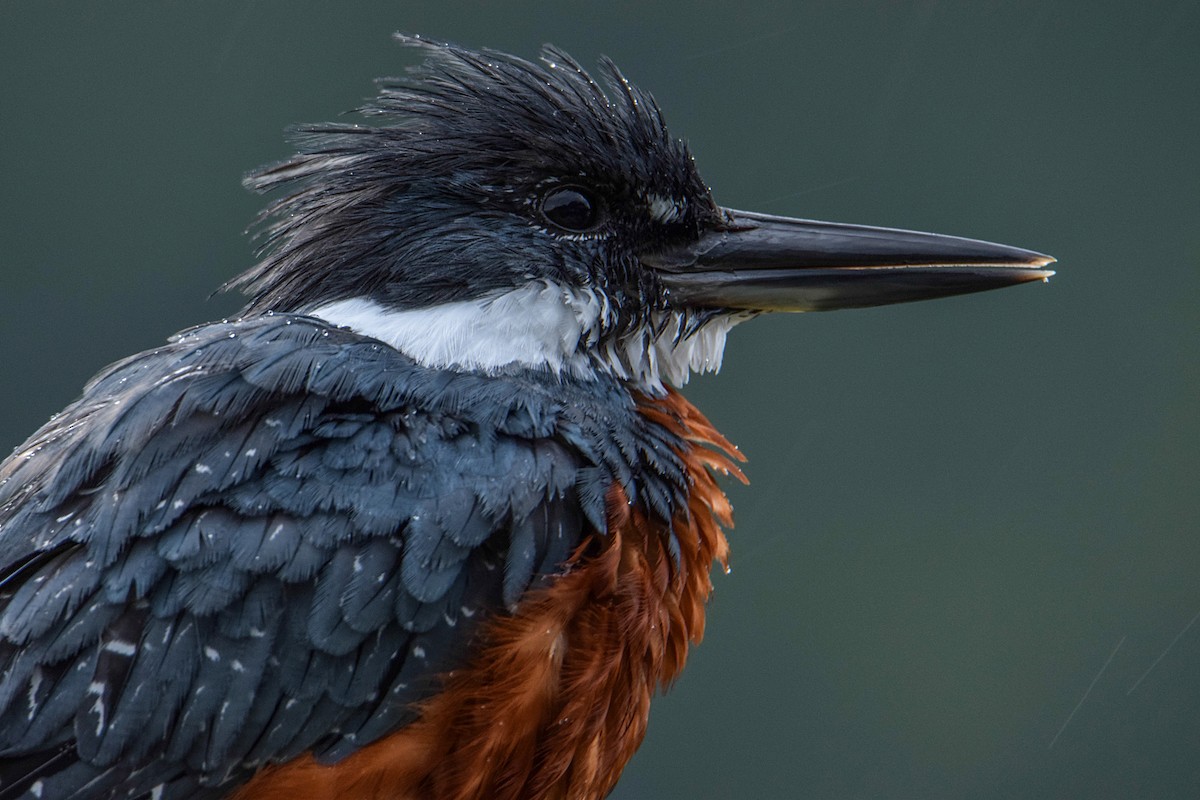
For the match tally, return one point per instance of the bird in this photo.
(430, 519)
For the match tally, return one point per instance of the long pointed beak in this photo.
(759, 262)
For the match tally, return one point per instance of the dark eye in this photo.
(572, 208)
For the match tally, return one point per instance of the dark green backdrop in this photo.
(959, 509)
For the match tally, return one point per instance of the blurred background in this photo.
(968, 564)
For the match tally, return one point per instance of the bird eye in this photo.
(572, 208)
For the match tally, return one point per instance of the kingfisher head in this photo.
(497, 214)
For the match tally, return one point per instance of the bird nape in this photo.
(425, 521)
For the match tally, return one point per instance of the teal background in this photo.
(960, 511)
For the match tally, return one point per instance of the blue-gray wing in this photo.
(266, 538)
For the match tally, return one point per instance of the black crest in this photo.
(441, 201)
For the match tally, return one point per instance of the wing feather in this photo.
(271, 537)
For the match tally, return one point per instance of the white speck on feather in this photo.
(35, 684)
(121, 648)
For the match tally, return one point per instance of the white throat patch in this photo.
(538, 325)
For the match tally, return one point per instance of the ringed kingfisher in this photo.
(429, 520)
